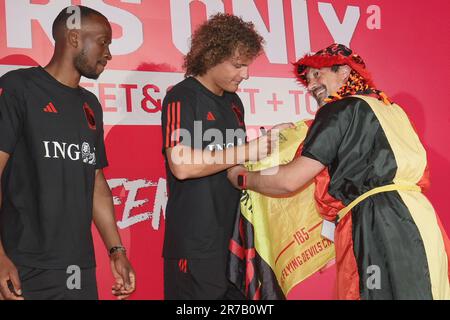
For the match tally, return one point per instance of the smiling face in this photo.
(324, 82)
(227, 75)
(95, 35)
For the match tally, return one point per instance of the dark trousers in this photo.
(186, 279)
(42, 284)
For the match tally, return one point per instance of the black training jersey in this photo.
(200, 212)
(54, 136)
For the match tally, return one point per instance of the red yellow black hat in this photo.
(335, 54)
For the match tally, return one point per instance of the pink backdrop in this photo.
(405, 45)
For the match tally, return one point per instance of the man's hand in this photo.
(123, 274)
(10, 288)
(282, 126)
(262, 147)
(233, 173)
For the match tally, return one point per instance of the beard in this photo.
(82, 66)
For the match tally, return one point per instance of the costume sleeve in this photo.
(327, 132)
(11, 119)
(178, 120)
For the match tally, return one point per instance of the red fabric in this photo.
(319, 62)
(347, 277)
(424, 182)
(328, 206)
(237, 249)
(250, 273)
(249, 255)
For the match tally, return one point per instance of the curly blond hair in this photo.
(217, 39)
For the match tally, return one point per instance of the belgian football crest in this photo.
(89, 116)
(238, 113)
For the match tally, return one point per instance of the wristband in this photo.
(242, 180)
(117, 249)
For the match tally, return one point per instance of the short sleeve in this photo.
(11, 120)
(100, 150)
(325, 135)
(178, 120)
(95, 110)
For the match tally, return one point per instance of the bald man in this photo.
(51, 158)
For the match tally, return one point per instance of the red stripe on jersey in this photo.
(178, 121)
(169, 119)
(172, 144)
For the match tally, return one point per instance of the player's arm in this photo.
(11, 122)
(281, 180)
(8, 271)
(187, 163)
(104, 219)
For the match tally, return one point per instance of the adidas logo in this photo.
(210, 116)
(182, 265)
(50, 108)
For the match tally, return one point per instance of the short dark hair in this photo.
(335, 67)
(217, 39)
(60, 22)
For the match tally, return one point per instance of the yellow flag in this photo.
(287, 230)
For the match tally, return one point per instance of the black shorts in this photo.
(193, 279)
(42, 284)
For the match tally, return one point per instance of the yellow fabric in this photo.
(390, 187)
(426, 221)
(287, 231)
(410, 157)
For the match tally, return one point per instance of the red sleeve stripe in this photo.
(178, 121)
(172, 144)
(169, 119)
(173, 123)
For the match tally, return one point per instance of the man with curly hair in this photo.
(202, 204)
